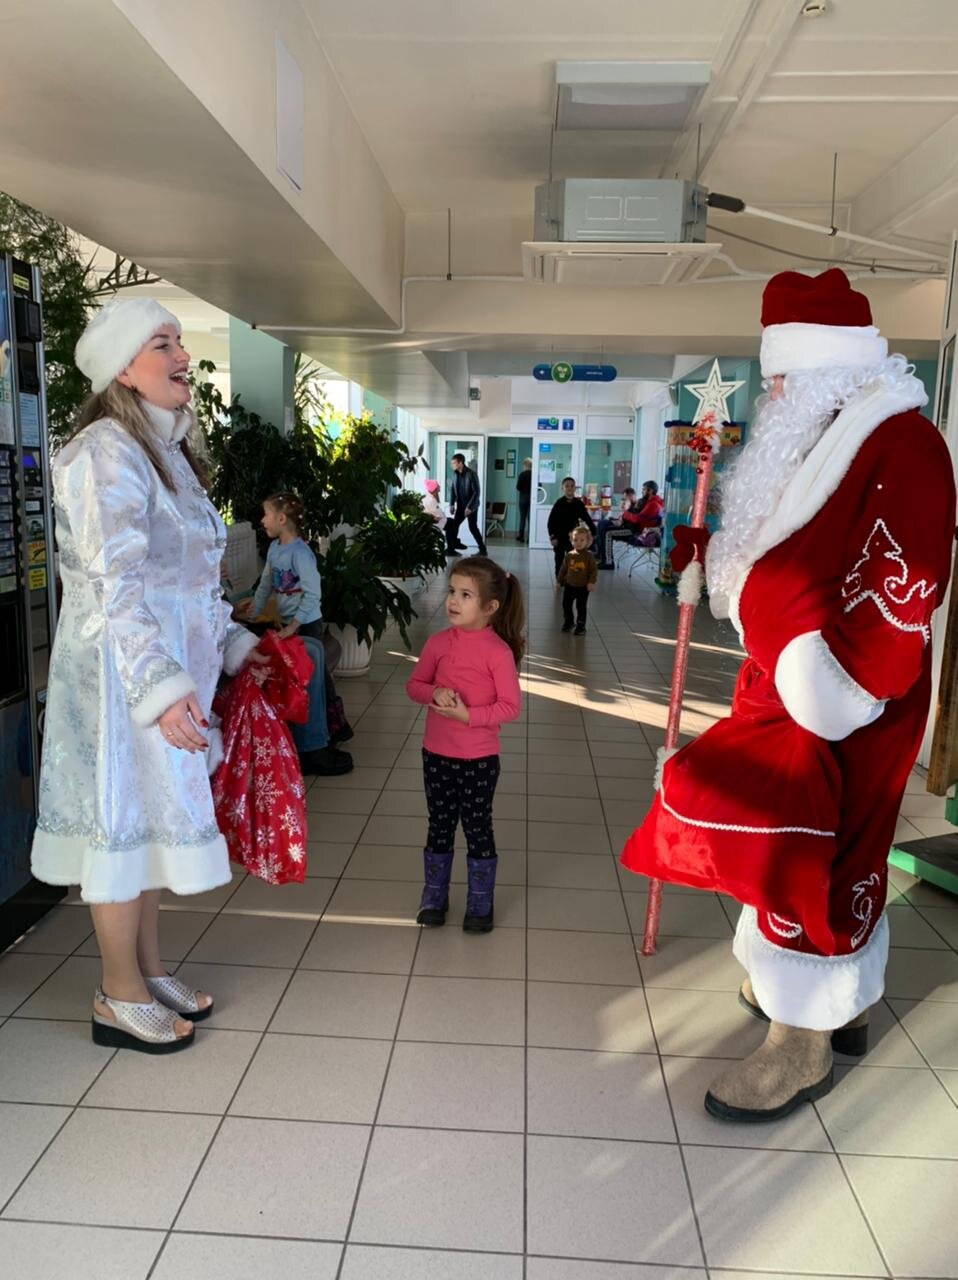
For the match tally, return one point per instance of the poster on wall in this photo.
(6, 372)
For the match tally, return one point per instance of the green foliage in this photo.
(354, 596)
(406, 502)
(403, 546)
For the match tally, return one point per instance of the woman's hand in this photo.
(289, 630)
(444, 697)
(457, 711)
(178, 725)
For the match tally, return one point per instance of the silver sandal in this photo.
(150, 1028)
(176, 995)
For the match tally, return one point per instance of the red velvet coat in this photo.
(790, 803)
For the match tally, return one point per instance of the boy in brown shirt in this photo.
(577, 576)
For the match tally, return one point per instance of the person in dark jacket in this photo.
(524, 490)
(465, 505)
(568, 512)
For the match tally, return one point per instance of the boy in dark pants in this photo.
(577, 577)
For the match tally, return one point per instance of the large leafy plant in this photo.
(354, 596)
(402, 546)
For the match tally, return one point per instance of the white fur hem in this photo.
(236, 653)
(789, 348)
(691, 583)
(662, 756)
(818, 692)
(122, 875)
(160, 698)
(816, 992)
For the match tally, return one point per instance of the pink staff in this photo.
(705, 441)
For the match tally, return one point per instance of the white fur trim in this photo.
(818, 692)
(160, 698)
(826, 466)
(691, 583)
(789, 348)
(662, 755)
(116, 335)
(817, 992)
(214, 750)
(234, 658)
(120, 877)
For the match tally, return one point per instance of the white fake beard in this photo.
(783, 434)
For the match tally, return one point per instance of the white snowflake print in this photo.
(265, 790)
(289, 822)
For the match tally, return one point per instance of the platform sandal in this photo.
(176, 995)
(149, 1028)
(851, 1039)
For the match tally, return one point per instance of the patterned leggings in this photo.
(460, 790)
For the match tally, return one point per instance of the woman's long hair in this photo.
(494, 583)
(123, 406)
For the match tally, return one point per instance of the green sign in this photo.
(562, 372)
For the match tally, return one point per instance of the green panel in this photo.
(499, 486)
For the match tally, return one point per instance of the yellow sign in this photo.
(21, 282)
(37, 552)
(37, 579)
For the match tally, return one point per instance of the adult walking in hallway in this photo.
(524, 494)
(567, 513)
(465, 505)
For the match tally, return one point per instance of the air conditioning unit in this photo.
(618, 231)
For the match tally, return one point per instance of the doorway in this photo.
(505, 456)
(474, 450)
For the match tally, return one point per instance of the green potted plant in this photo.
(357, 605)
(402, 548)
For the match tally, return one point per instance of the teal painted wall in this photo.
(733, 370)
(499, 488)
(927, 371)
(261, 372)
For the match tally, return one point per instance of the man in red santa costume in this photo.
(835, 548)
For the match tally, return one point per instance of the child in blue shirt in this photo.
(291, 575)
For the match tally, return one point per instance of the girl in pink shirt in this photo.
(467, 676)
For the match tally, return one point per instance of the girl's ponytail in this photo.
(495, 583)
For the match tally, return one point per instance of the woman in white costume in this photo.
(125, 802)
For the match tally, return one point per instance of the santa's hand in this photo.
(690, 544)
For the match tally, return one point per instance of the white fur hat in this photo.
(116, 335)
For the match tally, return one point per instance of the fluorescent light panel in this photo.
(634, 96)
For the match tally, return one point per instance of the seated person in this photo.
(642, 517)
(432, 505)
(613, 521)
(292, 577)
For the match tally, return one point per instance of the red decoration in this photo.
(791, 298)
(690, 544)
(258, 791)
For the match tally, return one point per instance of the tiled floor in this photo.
(372, 1101)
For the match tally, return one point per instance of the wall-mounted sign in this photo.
(555, 424)
(562, 371)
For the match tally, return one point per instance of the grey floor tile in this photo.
(179, 932)
(364, 777)
(327, 859)
(451, 953)
(369, 901)
(782, 1192)
(578, 1269)
(58, 933)
(565, 807)
(305, 1180)
(245, 996)
(888, 1043)
(598, 1095)
(464, 1010)
(573, 1016)
(386, 862)
(116, 1168)
(944, 920)
(266, 941)
(211, 901)
(933, 1026)
(202, 1078)
(859, 1121)
(372, 948)
(444, 1175)
(24, 1133)
(921, 975)
(703, 1024)
(67, 993)
(357, 800)
(378, 1262)
(453, 1086)
(693, 964)
(21, 974)
(911, 1207)
(282, 901)
(338, 827)
(908, 928)
(341, 1004)
(689, 1078)
(561, 956)
(685, 915)
(586, 910)
(611, 1200)
(56, 1252)
(572, 871)
(401, 804)
(568, 837)
(336, 1080)
(219, 1257)
(543, 782)
(44, 1061)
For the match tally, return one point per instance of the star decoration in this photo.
(713, 395)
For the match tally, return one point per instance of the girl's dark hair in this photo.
(289, 505)
(493, 583)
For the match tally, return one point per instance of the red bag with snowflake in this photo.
(258, 791)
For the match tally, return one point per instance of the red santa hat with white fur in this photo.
(817, 322)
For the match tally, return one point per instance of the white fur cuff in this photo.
(789, 348)
(238, 651)
(160, 698)
(818, 692)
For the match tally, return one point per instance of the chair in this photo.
(643, 547)
(496, 518)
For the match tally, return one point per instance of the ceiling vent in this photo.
(547, 262)
(636, 96)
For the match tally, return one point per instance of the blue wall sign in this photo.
(555, 424)
(562, 371)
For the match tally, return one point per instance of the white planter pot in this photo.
(408, 586)
(355, 656)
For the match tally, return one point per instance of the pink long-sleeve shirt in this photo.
(480, 667)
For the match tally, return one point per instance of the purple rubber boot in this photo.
(434, 904)
(482, 884)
